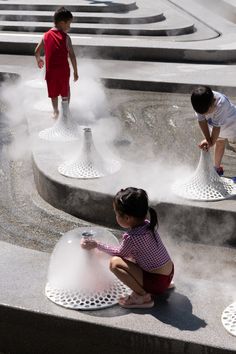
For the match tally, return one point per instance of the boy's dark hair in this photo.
(62, 14)
(134, 202)
(202, 98)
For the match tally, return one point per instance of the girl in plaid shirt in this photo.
(151, 270)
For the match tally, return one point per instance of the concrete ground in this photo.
(188, 322)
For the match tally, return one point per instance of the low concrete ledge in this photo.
(91, 200)
(189, 322)
(146, 16)
(160, 86)
(80, 6)
(125, 50)
(130, 29)
(143, 75)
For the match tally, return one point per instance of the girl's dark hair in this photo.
(202, 98)
(62, 14)
(134, 202)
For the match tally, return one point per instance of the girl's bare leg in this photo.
(55, 107)
(219, 151)
(129, 273)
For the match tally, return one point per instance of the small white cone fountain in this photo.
(80, 279)
(89, 163)
(64, 129)
(228, 319)
(205, 184)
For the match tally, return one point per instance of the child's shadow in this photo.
(171, 308)
(175, 311)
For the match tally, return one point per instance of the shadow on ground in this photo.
(175, 310)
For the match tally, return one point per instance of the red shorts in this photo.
(58, 84)
(156, 283)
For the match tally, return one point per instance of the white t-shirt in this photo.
(224, 116)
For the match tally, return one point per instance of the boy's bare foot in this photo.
(55, 114)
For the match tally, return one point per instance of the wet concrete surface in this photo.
(152, 125)
(162, 125)
(204, 287)
(25, 219)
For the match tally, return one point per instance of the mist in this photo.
(28, 110)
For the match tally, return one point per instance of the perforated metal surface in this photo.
(228, 319)
(89, 163)
(81, 300)
(205, 184)
(81, 279)
(64, 129)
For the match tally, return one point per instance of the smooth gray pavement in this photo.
(188, 322)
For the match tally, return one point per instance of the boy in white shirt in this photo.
(217, 119)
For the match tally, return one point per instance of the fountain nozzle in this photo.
(90, 163)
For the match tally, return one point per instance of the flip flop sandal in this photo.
(145, 305)
(136, 305)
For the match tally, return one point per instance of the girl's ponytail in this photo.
(153, 219)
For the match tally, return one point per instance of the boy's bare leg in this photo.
(55, 107)
(66, 98)
(219, 151)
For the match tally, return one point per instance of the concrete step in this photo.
(166, 28)
(187, 322)
(167, 40)
(79, 6)
(134, 48)
(145, 16)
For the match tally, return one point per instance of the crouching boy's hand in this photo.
(205, 145)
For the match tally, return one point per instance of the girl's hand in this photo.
(88, 244)
(205, 145)
(40, 63)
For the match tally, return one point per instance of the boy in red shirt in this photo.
(57, 47)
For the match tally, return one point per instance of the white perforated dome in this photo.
(79, 278)
(205, 184)
(89, 163)
(228, 319)
(64, 129)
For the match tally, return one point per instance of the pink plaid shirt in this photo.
(142, 245)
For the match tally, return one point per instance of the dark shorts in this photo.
(156, 283)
